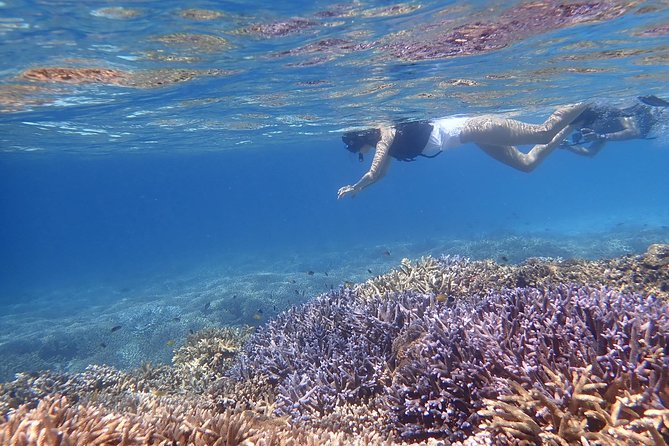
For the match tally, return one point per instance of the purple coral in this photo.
(427, 366)
(324, 354)
(469, 350)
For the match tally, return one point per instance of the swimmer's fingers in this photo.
(344, 191)
(589, 135)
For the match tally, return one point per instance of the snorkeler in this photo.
(494, 135)
(599, 124)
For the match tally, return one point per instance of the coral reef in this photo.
(455, 277)
(470, 352)
(56, 421)
(440, 350)
(565, 411)
(450, 276)
(424, 367)
(106, 386)
(329, 353)
(207, 354)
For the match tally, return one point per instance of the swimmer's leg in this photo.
(492, 130)
(525, 162)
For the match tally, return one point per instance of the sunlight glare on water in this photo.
(119, 78)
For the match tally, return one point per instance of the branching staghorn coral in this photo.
(583, 411)
(425, 367)
(448, 276)
(207, 354)
(455, 277)
(198, 364)
(326, 355)
(470, 351)
(416, 357)
(58, 422)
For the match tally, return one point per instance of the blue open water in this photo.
(123, 185)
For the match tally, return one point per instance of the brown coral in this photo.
(455, 277)
(57, 422)
(208, 353)
(584, 410)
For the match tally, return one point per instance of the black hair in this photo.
(355, 140)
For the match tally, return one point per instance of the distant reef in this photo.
(439, 351)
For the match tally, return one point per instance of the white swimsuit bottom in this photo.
(445, 135)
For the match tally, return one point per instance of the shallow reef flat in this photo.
(441, 350)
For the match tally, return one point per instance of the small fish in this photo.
(348, 284)
(386, 252)
(170, 343)
(273, 307)
(207, 305)
(297, 292)
(292, 281)
(116, 328)
(103, 345)
(191, 331)
(326, 274)
(176, 319)
(504, 258)
(259, 311)
(369, 271)
(311, 273)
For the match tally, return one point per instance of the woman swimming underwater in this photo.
(496, 136)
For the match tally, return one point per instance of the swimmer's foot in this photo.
(570, 112)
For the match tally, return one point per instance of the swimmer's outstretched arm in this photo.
(379, 165)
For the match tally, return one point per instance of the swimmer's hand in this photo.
(590, 135)
(346, 190)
